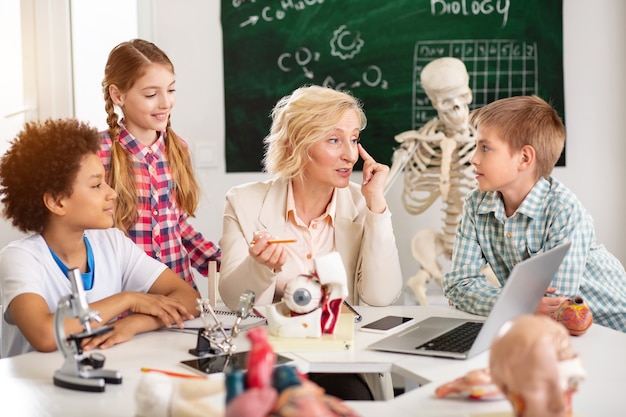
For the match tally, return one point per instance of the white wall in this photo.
(90, 49)
(595, 112)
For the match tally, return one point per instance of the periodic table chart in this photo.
(498, 68)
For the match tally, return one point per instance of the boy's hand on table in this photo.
(549, 305)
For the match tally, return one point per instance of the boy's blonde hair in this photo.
(300, 120)
(127, 62)
(525, 120)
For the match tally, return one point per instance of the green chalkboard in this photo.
(376, 49)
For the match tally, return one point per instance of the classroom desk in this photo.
(27, 388)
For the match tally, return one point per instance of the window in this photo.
(54, 56)
(57, 52)
(12, 105)
(97, 26)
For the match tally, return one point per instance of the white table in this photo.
(602, 350)
(27, 389)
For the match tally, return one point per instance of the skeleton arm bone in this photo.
(400, 158)
(411, 141)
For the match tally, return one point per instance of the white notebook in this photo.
(226, 317)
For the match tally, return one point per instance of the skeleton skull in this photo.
(445, 81)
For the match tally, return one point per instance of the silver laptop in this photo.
(464, 338)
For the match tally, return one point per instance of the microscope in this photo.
(80, 372)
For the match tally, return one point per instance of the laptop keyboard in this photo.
(459, 339)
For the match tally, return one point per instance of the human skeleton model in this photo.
(435, 160)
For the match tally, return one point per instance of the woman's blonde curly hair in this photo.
(301, 119)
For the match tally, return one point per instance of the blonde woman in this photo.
(312, 148)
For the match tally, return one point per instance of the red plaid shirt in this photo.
(162, 229)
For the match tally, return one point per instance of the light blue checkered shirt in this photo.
(549, 215)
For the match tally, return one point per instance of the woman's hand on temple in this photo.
(374, 177)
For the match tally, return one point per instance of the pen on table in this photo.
(272, 241)
(172, 373)
(357, 316)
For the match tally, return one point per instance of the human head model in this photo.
(446, 83)
(521, 121)
(533, 364)
(44, 158)
(300, 120)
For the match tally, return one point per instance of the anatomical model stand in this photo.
(435, 161)
(214, 338)
(80, 372)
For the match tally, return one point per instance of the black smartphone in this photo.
(387, 323)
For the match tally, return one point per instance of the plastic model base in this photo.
(203, 346)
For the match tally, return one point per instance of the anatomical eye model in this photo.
(303, 294)
(312, 302)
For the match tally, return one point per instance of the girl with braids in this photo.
(147, 164)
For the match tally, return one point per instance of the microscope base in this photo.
(94, 381)
(77, 383)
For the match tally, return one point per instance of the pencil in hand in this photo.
(272, 241)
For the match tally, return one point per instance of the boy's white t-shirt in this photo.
(27, 266)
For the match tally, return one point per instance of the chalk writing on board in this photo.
(371, 77)
(344, 45)
(437, 8)
(342, 49)
(497, 68)
(302, 57)
(270, 14)
(376, 49)
(471, 8)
